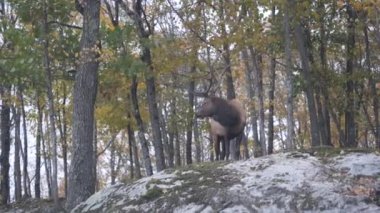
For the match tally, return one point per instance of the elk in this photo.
(227, 121)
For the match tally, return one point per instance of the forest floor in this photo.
(284, 182)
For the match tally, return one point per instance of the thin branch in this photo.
(192, 30)
(64, 24)
(107, 146)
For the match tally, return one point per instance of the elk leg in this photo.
(237, 149)
(216, 140)
(223, 154)
(227, 142)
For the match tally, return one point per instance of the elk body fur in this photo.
(227, 121)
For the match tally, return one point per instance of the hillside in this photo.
(277, 183)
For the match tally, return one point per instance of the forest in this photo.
(97, 92)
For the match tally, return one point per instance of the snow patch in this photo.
(359, 164)
(189, 208)
(236, 209)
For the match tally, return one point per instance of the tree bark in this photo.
(5, 138)
(258, 81)
(324, 114)
(141, 131)
(190, 118)
(271, 105)
(153, 111)
(146, 57)
(350, 125)
(164, 134)
(251, 95)
(26, 180)
(372, 85)
(17, 148)
(306, 73)
(62, 126)
(46, 148)
(198, 146)
(289, 145)
(82, 177)
(37, 182)
(226, 53)
(51, 108)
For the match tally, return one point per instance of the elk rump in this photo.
(227, 121)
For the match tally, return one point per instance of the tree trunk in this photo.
(26, 180)
(133, 150)
(146, 57)
(170, 132)
(350, 126)
(306, 73)
(140, 124)
(164, 134)
(113, 163)
(289, 145)
(198, 146)
(62, 126)
(190, 118)
(251, 95)
(271, 105)
(37, 182)
(153, 111)
(82, 175)
(257, 64)
(5, 138)
(47, 153)
(49, 89)
(226, 53)
(17, 147)
(325, 114)
(177, 147)
(372, 85)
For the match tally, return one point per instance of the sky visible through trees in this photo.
(117, 82)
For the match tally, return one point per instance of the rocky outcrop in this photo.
(290, 182)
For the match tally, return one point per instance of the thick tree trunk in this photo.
(350, 125)
(153, 111)
(17, 148)
(141, 127)
(289, 145)
(5, 138)
(82, 177)
(226, 53)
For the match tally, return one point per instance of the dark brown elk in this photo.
(227, 121)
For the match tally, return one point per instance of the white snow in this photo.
(189, 208)
(359, 164)
(236, 209)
